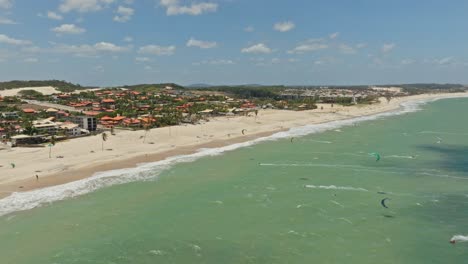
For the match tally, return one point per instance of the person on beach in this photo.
(37, 177)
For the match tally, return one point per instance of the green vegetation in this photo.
(152, 87)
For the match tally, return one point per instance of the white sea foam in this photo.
(459, 238)
(32, 199)
(333, 187)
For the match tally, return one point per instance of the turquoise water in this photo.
(315, 200)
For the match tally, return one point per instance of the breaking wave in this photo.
(333, 187)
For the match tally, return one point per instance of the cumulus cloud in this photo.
(308, 47)
(407, 61)
(89, 50)
(31, 60)
(128, 39)
(12, 41)
(215, 62)
(387, 47)
(157, 50)
(334, 35)
(142, 59)
(83, 6)
(445, 61)
(258, 48)
(249, 29)
(173, 8)
(54, 16)
(6, 4)
(124, 14)
(284, 26)
(68, 29)
(201, 44)
(7, 21)
(346, 49)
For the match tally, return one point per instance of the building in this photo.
(71, 129)
(46, 126)
(10, 115)
(27, 140)
(85, 122)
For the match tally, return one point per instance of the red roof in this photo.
(91, 113)
(106, 118)
(29, 111)
(119, 118)
(108, 100)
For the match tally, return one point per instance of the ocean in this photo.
(314, 194)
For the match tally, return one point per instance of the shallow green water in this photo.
(251, 205)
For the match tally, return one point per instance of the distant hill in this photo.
(150, 87)
(198, 85)
(62, 86)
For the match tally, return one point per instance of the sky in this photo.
(290, 42)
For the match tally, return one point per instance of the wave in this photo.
(333, 187)
(401, 157)
(444, 133)
(19, 201)
(459, 238)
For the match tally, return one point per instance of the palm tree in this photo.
(147, 129)
(51, 144)
(104, 138)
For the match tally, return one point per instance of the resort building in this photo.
(85, 122)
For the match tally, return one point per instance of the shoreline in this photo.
(55, 172)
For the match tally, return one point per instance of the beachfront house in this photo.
(71, 129)
(85, 122)
(46, 126)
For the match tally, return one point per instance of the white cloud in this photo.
(258, 48)
(31, 49)
(7, 21)
(407, 61)
(54, 16)
(98, 68)
(157, 50)
(361, 45)
(110, 47)
(284, 26)
(11, 41)
(308, 48)
(174, 8)
(83, 6)
(387, 47)
(334, 35)
(249, 29)
(89, 50)
(128, 39)
(201, 44)
(142, 59)
(31, 60)
(347, 49)
(5, 4)
(124, 14)
(68, 29)
(445, 61)
(215, 62)
(148, 68)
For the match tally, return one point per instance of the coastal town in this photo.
(30, 117)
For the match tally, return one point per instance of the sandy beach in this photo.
(82, 157)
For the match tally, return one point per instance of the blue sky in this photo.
(115, 42)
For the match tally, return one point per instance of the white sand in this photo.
(84, 152)
(45, 90)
